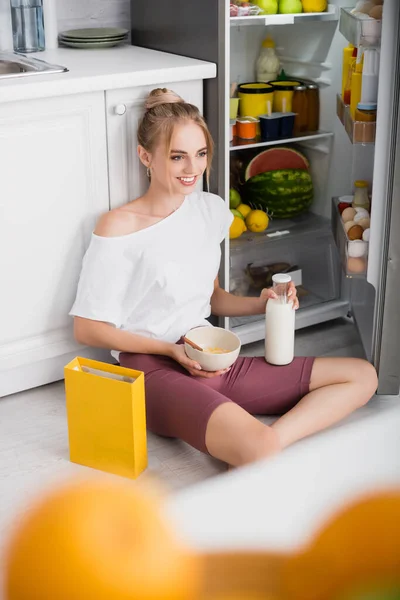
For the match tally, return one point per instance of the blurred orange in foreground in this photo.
(98, 540)
(357, 548)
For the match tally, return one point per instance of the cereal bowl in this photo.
(220, 346)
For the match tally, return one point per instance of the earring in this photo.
(148, 172)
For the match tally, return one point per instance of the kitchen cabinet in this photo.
(53, 158)
(124, 108)
(64, 161)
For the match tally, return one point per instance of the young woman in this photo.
(150, 274)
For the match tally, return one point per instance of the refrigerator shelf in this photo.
(331, 14)
(305, 226)
(252, 329)
(358, 31)
(241, 144)
(359, 132)
(354, 266)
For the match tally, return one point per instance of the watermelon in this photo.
(274, 159)
(283, 193)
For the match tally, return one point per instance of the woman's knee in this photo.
(261, 443)
(355, 371)
(238, 438)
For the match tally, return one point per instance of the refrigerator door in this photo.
(384, 252)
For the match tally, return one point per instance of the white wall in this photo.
(72, 14)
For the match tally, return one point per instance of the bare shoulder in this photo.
(117, 222)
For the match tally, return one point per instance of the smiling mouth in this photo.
(188, 180)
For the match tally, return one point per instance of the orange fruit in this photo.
(98, 540)
(360, 545)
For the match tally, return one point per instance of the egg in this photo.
(365, 236)
(364, 6)
(348, 214)
(359, 209)
(376, 12)
(357, 248)
(355, 232)
(356, 265)
(348, 225)
(364, 223)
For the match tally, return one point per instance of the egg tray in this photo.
(349, 251)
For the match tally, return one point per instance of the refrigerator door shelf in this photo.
(359, 132)
(353, 254)
(358, 31)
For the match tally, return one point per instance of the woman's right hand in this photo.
(178, 353)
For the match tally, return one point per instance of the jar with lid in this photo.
(279, 323)
(312, 106)
(300, 107)
(361, 198)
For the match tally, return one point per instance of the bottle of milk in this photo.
(279, 323)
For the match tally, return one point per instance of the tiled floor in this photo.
(33, 431)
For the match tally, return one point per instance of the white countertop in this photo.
(98, 70)
(278, 504)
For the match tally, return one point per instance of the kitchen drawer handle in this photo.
(120, 109)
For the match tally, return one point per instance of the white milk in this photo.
(279, 332)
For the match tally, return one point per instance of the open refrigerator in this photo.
(309, 46)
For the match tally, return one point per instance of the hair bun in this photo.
(161, 96)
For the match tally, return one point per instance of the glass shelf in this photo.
(331, 14)
(241, 144)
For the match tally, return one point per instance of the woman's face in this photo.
(179, 172)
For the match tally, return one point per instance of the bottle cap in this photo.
(281, 278)
(360, 183)
(268, 42)
(367, 106)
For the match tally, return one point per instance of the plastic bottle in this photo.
(361, 198)
(350, 71)
(267, 65)
(347, 55)
(356, 85)
(279, 323)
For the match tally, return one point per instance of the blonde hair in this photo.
(163, 110)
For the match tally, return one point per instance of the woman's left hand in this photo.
(268, 293)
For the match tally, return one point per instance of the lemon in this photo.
(244, 209)
(257, 220)
(310, 6)
(237, 228)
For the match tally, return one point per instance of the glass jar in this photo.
(300, 107)
(312, 107)
(27, 25)
(361, 198)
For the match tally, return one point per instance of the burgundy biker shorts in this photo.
(178, 405)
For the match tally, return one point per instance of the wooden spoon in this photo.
(192, 344)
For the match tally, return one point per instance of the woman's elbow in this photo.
(80, 331)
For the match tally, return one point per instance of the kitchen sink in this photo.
(19, 65)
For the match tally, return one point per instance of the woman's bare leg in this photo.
(238, 438)
(338, 386)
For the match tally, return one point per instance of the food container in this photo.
(106, 417)
(287, 124)
(283, 95)
(247, 127)
(254, 98)
(233, 108)
(277, 125)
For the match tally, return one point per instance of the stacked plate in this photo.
(95, 37)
